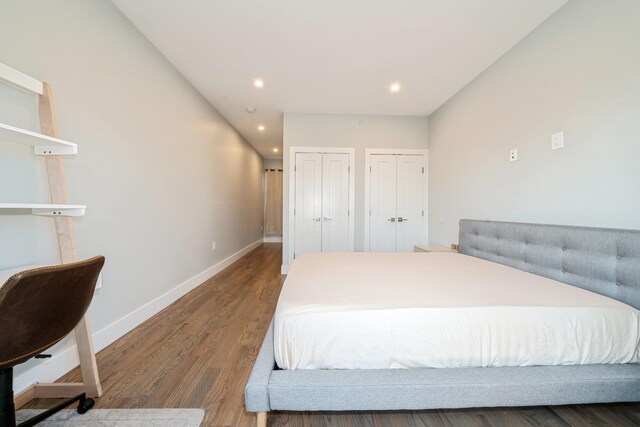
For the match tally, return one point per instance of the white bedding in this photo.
(442, 310)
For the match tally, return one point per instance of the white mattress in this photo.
(441, 310)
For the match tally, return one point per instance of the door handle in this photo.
(324, 218)
(317, 219)
(391, 219)
(400, 219)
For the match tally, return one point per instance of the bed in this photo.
(601, 265)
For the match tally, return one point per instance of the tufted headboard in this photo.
(602, 260)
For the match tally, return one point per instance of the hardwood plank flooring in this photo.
(198, 352)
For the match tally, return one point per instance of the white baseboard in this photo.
(284, 269)
(272, 239)
(61, 363)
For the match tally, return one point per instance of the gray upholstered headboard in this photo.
(602, 260)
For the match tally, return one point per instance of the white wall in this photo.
(350, 131)
(273, 163)
(162, 173)
(579, 72)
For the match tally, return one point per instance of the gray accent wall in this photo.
(579, 73)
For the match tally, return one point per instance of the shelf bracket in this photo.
(58, 212)
(54, 151)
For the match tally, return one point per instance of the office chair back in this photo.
(40, 307)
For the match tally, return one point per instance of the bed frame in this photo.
(606, 261)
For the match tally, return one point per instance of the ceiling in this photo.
(331, 56)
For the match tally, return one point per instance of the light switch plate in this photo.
(513, 155)
(557, 140)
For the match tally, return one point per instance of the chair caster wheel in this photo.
(85, 405)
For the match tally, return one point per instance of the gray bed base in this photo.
(606, 261)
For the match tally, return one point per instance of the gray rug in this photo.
(119, 418)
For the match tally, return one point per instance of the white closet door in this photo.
(410, 203)
(335, 202)
(308, 203)
(382, 222)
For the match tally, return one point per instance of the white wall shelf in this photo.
(20, 79)
(43, 145)
(47, 209)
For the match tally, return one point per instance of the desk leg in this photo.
(87, 356)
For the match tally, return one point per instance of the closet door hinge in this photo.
(422, 213)
(348, 212)
(370, 169)
(349, 169)
(423, 170)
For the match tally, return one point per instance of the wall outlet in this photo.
(213, 246)
(513, 155)
(557, 140)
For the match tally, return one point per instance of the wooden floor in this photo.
(199, 351)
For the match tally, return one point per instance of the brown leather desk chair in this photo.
(38, 308)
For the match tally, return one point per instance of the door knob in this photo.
(317, 219)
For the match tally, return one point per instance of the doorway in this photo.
(273, 205)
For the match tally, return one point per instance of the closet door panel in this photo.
(308, 203)
(382, 221)
(335, 202)
(410, 203)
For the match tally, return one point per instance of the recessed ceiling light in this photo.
(261, 127)
(259, 83)
(395, 87)
(275, 150)
(250, 110)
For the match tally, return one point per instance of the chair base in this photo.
(7, 408)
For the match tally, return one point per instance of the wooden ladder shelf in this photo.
(66, 244)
